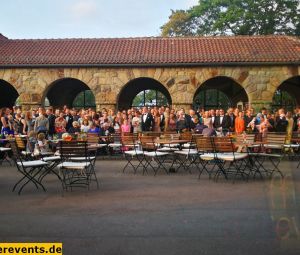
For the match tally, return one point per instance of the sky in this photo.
(25, 19)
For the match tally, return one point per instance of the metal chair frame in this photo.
(77, 167)
(32, 170)
(152, 155)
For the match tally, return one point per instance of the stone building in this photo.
(199, 71)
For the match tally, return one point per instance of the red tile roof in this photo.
(150, 51)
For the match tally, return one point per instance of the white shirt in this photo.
(221, 119)
(145, 117)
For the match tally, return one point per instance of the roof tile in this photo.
(150, 50)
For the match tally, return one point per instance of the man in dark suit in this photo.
(189, 117)
(213, 116)
(230, 119)
(69, 118)
(221, 122)
(281, 122)
(162, 119)
(51, 118)
(147, 120)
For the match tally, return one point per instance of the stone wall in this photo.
(259, 82)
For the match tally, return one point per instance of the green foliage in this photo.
(152, 97)
(180, 24)
(84, 99)
(236, 17)
(211, 99)
(283, 99)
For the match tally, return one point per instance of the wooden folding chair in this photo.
(228, 160)
(206, 154)
(132, 152)
(31, 170)
(77, 165)
(153, 158)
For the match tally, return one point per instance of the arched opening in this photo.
(70, 92)
(220, 92)
(143, 92)
(287, 95)
(8, 94)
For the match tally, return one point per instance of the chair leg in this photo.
(33, 179)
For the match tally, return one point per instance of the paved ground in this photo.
(175, 214)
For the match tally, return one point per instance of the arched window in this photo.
(8, 94)
(220, 92)
(143, 91)
(149, 97)
(211, 99)
(282, 99)
(287, 95)
(70, 92)
(84, 99)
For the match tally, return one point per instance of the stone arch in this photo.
(228, 88)
(8, 94)
(291, 86)
(135, 86)
(63, 91)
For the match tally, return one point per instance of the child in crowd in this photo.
(32, 140)
(125, 127)
(42, 143)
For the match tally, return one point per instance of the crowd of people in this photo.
(53, 122)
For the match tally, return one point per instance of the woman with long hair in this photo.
(156, 117)
(29, 121)
(85, 126)
(6, 124)
(172, 122)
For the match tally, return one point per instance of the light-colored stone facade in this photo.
(259, 82)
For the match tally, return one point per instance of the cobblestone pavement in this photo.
(163, 214)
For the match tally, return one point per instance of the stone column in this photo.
(29, 101)
(178, 106)
(100, 106)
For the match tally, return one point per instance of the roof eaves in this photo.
(144, 65)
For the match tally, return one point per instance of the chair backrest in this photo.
(170, 136)
(129, 140)
(126, 133)
(169, 132)
(151, 134)
(73, 149)
(15, 150)
(92, 138)
(148, 142)
(223, 144)
(204, 144)
(275, 138)
(20, 143)
(245, 138)
(186, 136)
(296, 137)
(114, 138)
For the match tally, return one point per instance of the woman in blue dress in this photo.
(6, 127)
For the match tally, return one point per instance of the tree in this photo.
(150, 97)
(180, 24)
(236, 17)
